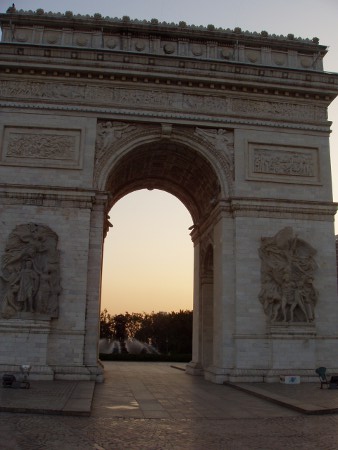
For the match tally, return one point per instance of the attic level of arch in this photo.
(41, 62)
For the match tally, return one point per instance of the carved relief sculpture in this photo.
(30, 278)
(206, 257)
(222, 144)
(283, 163)
(287, 273)
(107, 133)
(110, 132)
(41, 146)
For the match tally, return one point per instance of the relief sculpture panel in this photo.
(30, 272)
(99, 95)
(287, 278)
(40, 147)
(283, 164)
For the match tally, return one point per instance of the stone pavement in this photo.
(306, 398)
(153, 406)
(50, 397)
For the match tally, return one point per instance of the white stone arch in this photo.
(186, 139)
(278, 117)
(140, 135)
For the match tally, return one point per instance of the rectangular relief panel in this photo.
(283, 164)
(41, 147)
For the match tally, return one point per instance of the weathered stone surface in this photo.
(238, 132)
(31, 272)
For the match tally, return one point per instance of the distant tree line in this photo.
(169, 333)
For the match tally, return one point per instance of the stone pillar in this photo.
(207, 300)
(195, 366)
(95, 255)
(224, 321)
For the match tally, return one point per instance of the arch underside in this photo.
(176, 169)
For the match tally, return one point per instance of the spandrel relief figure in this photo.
(287, 274)
(222, 143)
(30, 278)
(110, 132)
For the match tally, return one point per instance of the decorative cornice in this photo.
(210, 31)
(242, 206)
(51, 197)
(132, 37)
(124, 114)
(82, 63)
(274, 208)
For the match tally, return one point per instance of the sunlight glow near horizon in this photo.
(167, 280)
(148, 255)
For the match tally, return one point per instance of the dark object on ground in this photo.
(9, 381)
(332, 384)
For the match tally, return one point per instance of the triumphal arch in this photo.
(234, 124)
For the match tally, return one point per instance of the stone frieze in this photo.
(283, 163)
(152, 98)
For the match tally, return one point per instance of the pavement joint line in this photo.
(178, 368)
(296, 405)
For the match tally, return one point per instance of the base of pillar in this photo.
(219, 375)
(78, 373)
(194, 369)
(215, 374)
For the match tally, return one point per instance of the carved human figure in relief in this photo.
(219, 138)
(30, 278)
(109, 132)
(287, 273)
(222, 142)
(28, 285)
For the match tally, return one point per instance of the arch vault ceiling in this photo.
(176, 169)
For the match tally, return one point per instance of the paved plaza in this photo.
(153, 406)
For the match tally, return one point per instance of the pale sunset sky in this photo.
(148, 256)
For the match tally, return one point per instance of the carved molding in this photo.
(287, 275)
(25, 195)
(30, 272)
(247, 207)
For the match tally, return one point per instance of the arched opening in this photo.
(148, 255)
(174, 168)
(188, 175)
